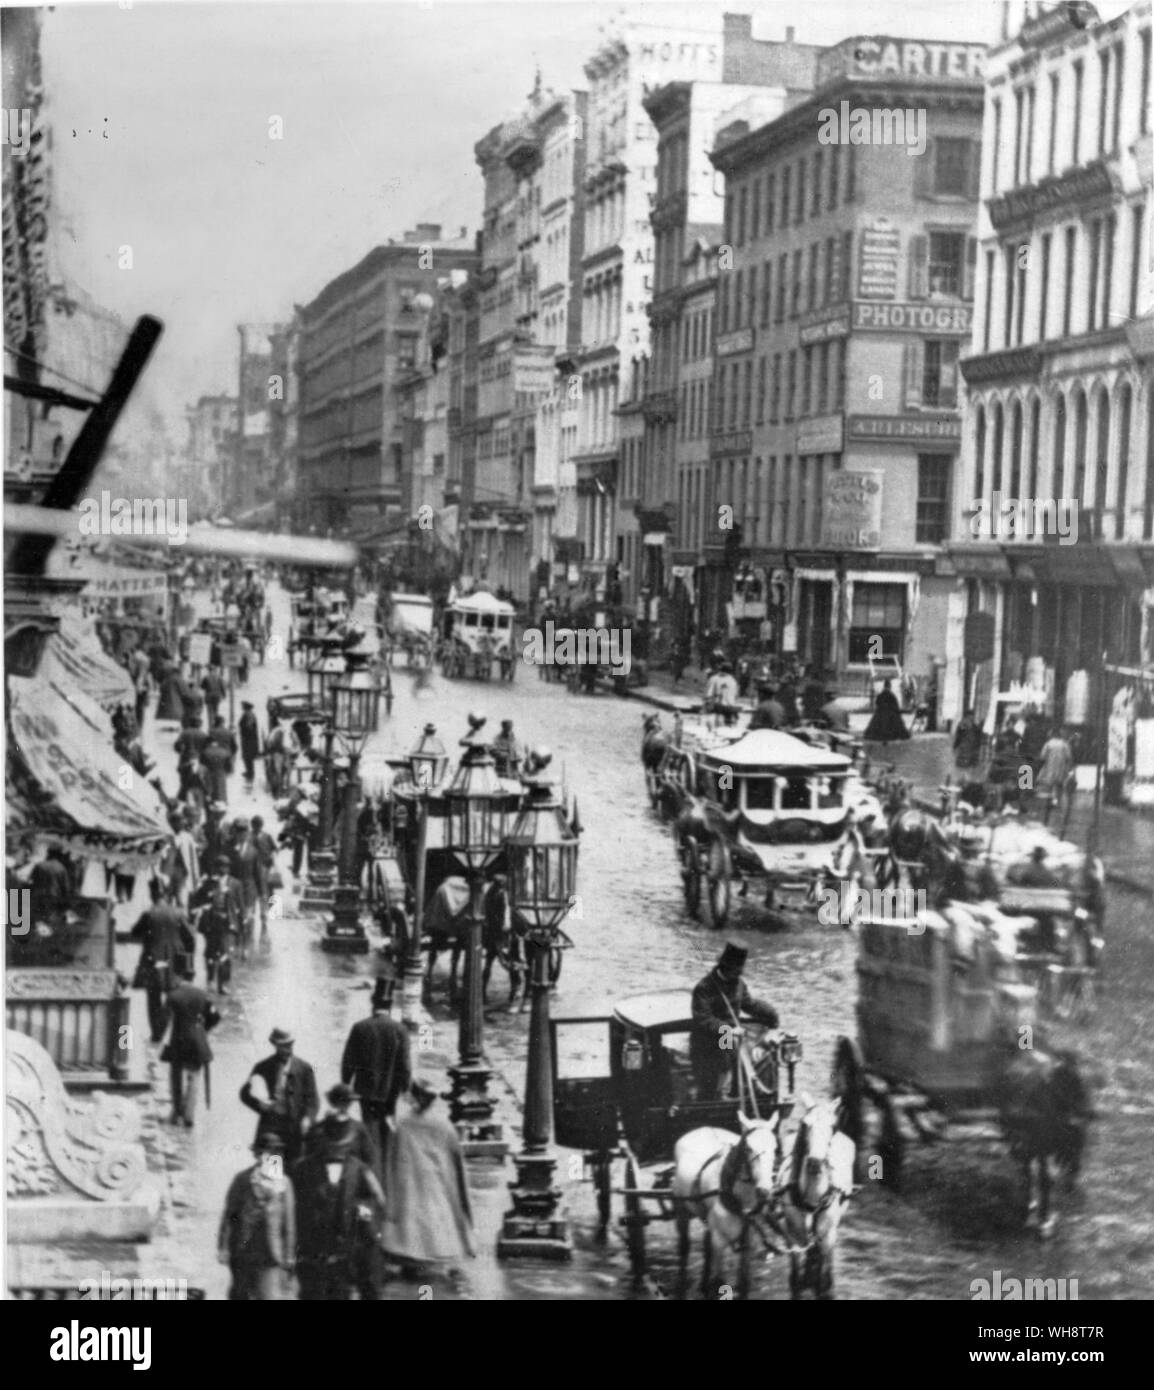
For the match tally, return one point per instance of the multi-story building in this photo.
(761, 78)
(1060, 376)
(212, 425)
(841, 311)
(284, 418)
(617, 267)
(357, 336)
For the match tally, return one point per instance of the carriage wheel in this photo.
(634, 1221)
(690, 874)
(1073, 998)
(719, 869)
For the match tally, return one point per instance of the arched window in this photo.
(1058, 479)
(1080, 428)
(999, 438)
(1035, 430)
(1016, 451)
(1125, 404)
(1102, 472)
(980, 455)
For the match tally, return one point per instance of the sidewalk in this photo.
(1126, 841)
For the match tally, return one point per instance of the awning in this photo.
(72, 782)
(74, 660)
(990, 563)
(1078, 564)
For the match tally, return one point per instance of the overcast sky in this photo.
(381, 104)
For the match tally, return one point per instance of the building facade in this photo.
(357, 337)
(841, 313)
(212, 425)
(1060, 373)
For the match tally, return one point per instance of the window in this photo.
(1058, 481)
(770, 191)
(1109, 227)
(846, 265)
(933, 498)
(795, 294)
(742, 199)
(775, 390)
(1055, 87)
(989, 301)
(834, 151)
(952, 166)
(838, 350)
(1010, 267)
(980, 455)
(738, 298)
(766, 295)
(1144, 89)
(779, 311)
(1137, 215)
(1035, 431)
(1019, 132)
(1124, 408)
(1028, 156)
(1119, 79)
(790, 386)
(997, 146)
(815, 210)
(940, 373)
(747, 393)
(785, 173)
(1076, 139)
(850, 173)
(799, 217)
(806, 380)
(831, 285)
(751, 316)
(1068, 304)
(1092, 288)
(811, 277)
(879, 610)
(1020, 293)
(1103, 97)
(755, 211)
(761, 385)
(947, 264)
(823, 378)
(1044, 288)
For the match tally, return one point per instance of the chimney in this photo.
(789, 33)
(424, 231)
(737, 26)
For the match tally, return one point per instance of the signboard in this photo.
(913, 318)
(978, 638)
(1087, 184)
(877, 55)
(231, 656)
(127, 584)
(823, 324)
(878, 268)
(821, 435)
(200, 648)
(740, 341)
(741, 443)
(851, 512)
(912, 427)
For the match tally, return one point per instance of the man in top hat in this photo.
(167, 944)
(187, 1051)
(282, 1089)
(340, 1206)
(506, 750)
(719, 1000)
(249, 731)
(338, 1129)
(376, 1063)
(257, 1238)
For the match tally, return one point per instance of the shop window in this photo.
(933, 498)
(879, 618)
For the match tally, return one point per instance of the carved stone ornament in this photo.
(61, 984)
(58, 1145)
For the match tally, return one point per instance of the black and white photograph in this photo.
(579, 662)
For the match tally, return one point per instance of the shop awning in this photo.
(74, 660)
(71, 783)
(1077, 564)
(989, 563)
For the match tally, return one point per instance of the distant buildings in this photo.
(210, 452)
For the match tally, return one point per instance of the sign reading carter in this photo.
(913, 318)
(877, 55)
(851, 512)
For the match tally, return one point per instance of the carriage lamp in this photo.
(477, 813)
(354, 699)
(542, 858)
(428, 761)
(325, 668)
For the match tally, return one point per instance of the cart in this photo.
(478, 632)
(411, 628)
(624, 1093)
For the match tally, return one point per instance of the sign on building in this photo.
(851, 513)
(878, 268)
(820, 435)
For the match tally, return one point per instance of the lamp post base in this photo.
(471, 1111)
(414, 1015)
(320, 889)
(538, 1225)
(343, 930)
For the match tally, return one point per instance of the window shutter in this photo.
(924, 171)
(919, 267)
(969, 269)
(915, 369)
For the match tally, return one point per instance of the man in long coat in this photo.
(214, 692)
(219, 911)
(187, 1051)
(719, 1000)
(290, 1102)
(216, 764)
(339, 1210)
(249, 731)
(376, 1063)
(257, 1238)
(429, 1219)
(165, 934)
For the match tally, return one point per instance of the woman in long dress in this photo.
(886, 725)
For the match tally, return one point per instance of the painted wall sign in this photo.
(867, 55)
(851, 512)
(823, 324)
(914, 427)
(913, 318)
(878, 266)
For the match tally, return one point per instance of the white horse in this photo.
(817, 1182)
(725, 1180)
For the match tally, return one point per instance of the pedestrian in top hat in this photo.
(339, 1210)
(282, 1089)
(168, 944)
(249, 731)
(376, 1063)
(187, 1051)
(257, 1238)
(429, 1218)
(338, 1129)
(214, 691)
(719, 1000)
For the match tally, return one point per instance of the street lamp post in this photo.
(427, 764)
(542, 880)
(477, 815)
(355, 700)
(318, 894)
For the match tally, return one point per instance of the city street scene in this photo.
(579, 655)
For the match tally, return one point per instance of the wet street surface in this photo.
(953, 1222)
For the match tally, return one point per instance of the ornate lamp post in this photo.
(542, 853)
(318, 894)
(477, 811)
(427, 765)
(355, 701)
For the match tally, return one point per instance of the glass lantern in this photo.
(542, 862)
(428, 761)
(478, 810)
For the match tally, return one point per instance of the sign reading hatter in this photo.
(851, 513)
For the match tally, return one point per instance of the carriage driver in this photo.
(719, 1000)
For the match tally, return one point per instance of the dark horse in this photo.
(919, 855)
(1045, 1113)
(446, 923)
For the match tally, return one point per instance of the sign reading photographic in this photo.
(851, 513)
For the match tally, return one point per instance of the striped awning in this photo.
(74, 660)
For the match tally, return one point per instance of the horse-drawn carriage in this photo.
(478, 631)
(948, 1035)
(624, 1093)
(410, 628)
(762, 807)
